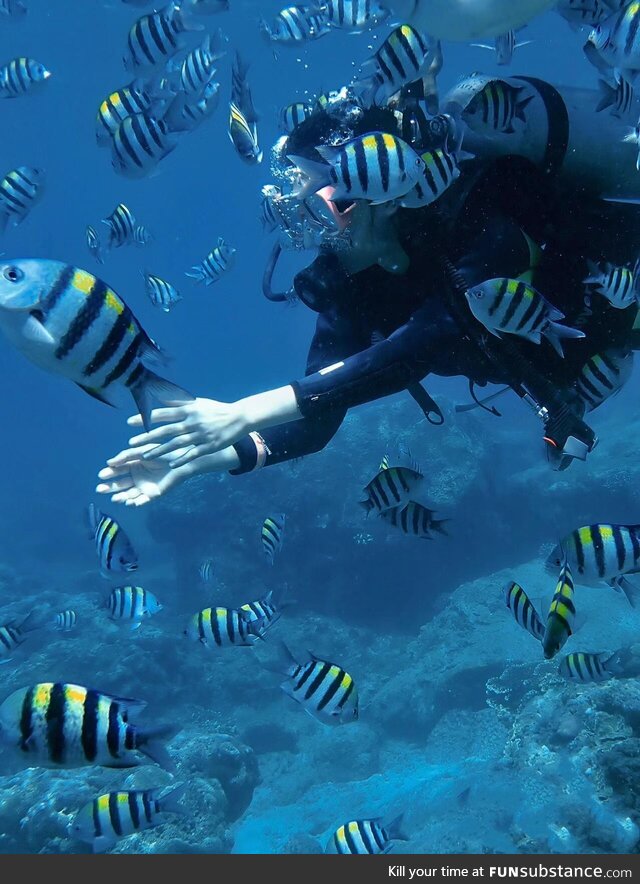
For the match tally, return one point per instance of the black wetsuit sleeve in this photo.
(432, 341)
(333, 341)
(343, 371)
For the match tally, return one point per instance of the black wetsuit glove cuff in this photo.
(247, 453)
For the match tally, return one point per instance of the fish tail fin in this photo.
(318, 174)
(169, 799)
(174, 115)
(438, 525)
(607, 96)
(631, 591)
(151, 743)
(35, 620)
(395, 829)
(284, 662)
(150, 386)
(555, 333)
(185, 18)
(92, 517)
(614, 664)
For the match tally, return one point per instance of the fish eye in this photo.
(13, 274)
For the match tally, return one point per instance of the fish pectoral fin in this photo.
(35, 331)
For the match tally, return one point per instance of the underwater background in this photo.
(463, 728)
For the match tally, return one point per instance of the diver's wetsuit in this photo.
(411, 311)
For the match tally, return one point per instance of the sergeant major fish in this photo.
(391, 488)
(139, 144)
(68, 726)
(115, 550)
(65, 621)
(224, 627)
(115, 815)
(504, 47)
(136, 98)
(514, 307)
(377, 166)
(366, 837)
(161, 293)
(523, 610)
(93, 244)
(590, 667)
(617, 40)
(616, 284)
(13, 634)
(272, 534)
(198, 67)
(295, 25)
(403, 57)
(71, 323)
(440, 171)
(601, 553)
(603, 376)
(562, 615)
(354, 16)
(218, 261)
(21, 76)
(156, 37)
(414, 520)
(324, 690)
(20, 190)
(619, 98)
(263, 610)
(496, 107)
(132, 603)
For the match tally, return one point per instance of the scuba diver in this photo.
(540, 199)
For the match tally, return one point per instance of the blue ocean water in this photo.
(463, 728)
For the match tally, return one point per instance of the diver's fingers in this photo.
(159, 416)
(124, 484)
(126, 496)
(166, 431)
(190, 455)
(168, 447)
(125, 459)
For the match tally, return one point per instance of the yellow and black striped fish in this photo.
(414, 520)
(617, 39)
(366, 837)
(377, 166)
(402, 58)
(20, 190)
(224, 627)
(523, 611)
(67, 725)
(155, 38)
(273, 535)
(13, 634)
(562, 615)
(263, 610)
(65, 621)
(604, 375)
(590, 667)
(391, 488)
(132, 603)
(69, 322)
(515, 307)
(601, 554)
(115, 551)
(137, 97)
(324, 690)
(21, 75)
(115, 815)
